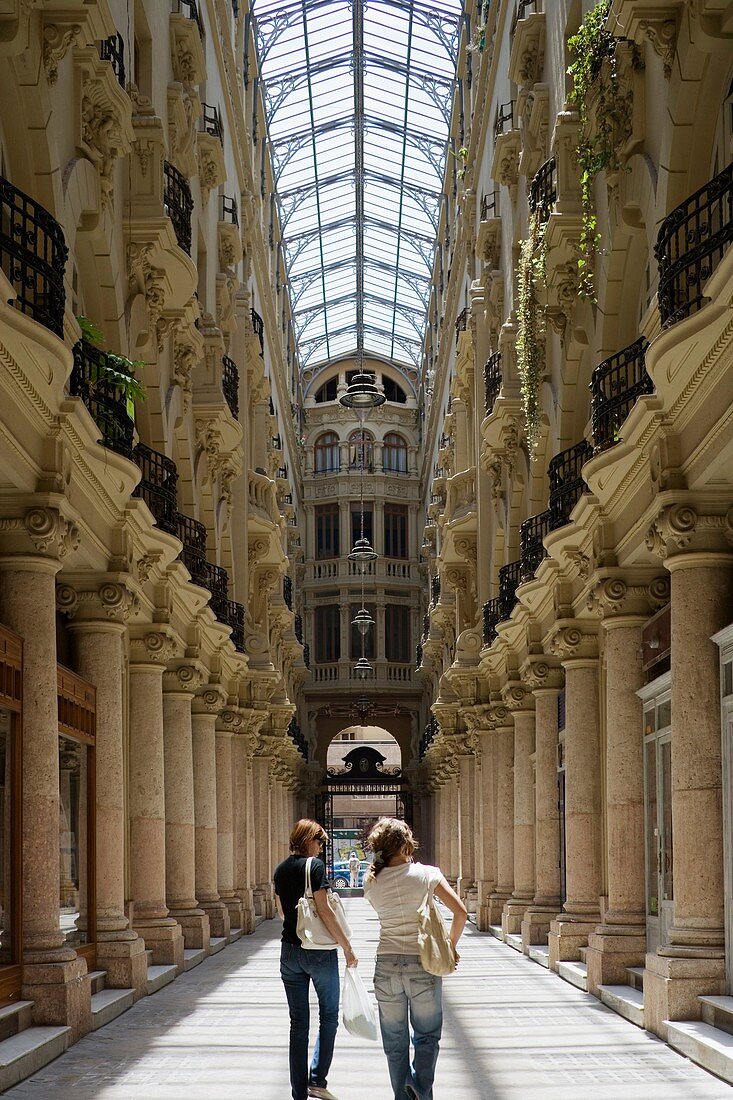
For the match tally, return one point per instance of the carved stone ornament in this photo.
(516, 696)
(210, 699)
(679, 527)
(571, 641)
(541, 671)
(662, 33)
(105, 131)
(185, 677)
(154, 647)
(48, 530)
(56, 43)
(614, 596)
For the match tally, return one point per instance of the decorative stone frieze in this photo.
(104, 130)
(184, 111)
(187, 50)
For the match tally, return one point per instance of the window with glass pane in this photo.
(395, 453)
(393, 392)
(356, 636)
(7, 729)
(327, 531)
(652, 830)
(395, 531)
(360, 450)
(326, 453)
(328, 633)
(73, 850)
(328, 391)
(356, 522)
(397, 632)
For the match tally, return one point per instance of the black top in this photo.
(289, 878)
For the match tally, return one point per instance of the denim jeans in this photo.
(297, 969)
(402, 987)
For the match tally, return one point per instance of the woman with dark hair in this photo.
(396, 888)
(300, 967)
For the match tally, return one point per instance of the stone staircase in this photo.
(575, 972)
(627, 1000)
(708, 1041)
(25, 1047)
(107, 1004)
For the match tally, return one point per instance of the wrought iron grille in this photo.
(490, 206)
(192, 534)
(492, 381)
(425, 626)
(296, 736)
(435, 589)
(179, 205)
(288, 592)
(543, 189)
(524, 8)
(532, 550)
(105, 401)
(509, 581)
(566, 481)
(418, 655)
(615, 385)
(298, 628)
(235, 619)
(230, 385)
(277, 443)
(229, 211)
(189, 8)
(431, 729)
(461, 322)
(492, 618)
(691, 243)
(259, 328)
(33, 257)
(158, 486)
(211, 123)
(112, 49)
(306, 655)
(282, 473)
(504, 118)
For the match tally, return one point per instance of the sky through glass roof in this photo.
(358, 98)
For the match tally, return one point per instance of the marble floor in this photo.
(513, 1031)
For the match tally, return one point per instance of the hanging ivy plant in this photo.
(597, 83)
(531, 328)
(115, 370)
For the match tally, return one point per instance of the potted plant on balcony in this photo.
(112, 369)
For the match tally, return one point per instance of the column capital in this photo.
(574, 640)
(184, 678)
(621, 595)
(103, 598)
(151, 646)
(683, 527)
(501, 716)
(516, 696)
(478, 719)
(541, 672)
(209, 699)
(43, 531)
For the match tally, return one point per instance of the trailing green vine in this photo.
(115, 370)
(593, 70)
(531, 328)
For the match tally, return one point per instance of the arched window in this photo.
(327, 453)
(328, 391)
(360, 450)
(392, 391)
(395, 453)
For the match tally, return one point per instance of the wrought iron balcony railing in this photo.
(429, 735)
(490, 206)
(106, 402)
(524, 8)
(282, 473)
(543, 189)
(112, 49)
(189, 8)
(425, 626)
(532, 550)
(435, 590)
(461, 322)
(179, 204)
(510, 577)
(615, 385)
(33, 257)
(691, 243)
(158, 486)
(258, 326)
(277, 442)
(192, 534)
(306, 655)
(296, 736)
(491, 619)
(504, 119)
(235, 619)
(288, 592)
(230, 385)
(492, 381)
(566, 481)
(298, 628)
(418, 655)
(228, 211)
(210, 122)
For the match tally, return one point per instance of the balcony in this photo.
(296, 736)
(435, 590)
(210, 122)
(461, 323)
(504, 119)
(418, 655)
(190, 10)
(33, 257)
(510, 577)
(298, 628)
(616, 384)
(179, 205)
(230, 385)
(158, 487)
(507, 145)
(258, 326)
(210, 145)
(543, 190)
(228, 234)
(105, 401)
(112, 49)
(428, 736)
(491, 619)
(288, 592)
(532, 549)
(566, 482)
(306, 655)
(492, 381)
(490, 206)
(235, 619)
(193, 555)
(691, 243)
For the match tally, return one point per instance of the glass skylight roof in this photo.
(358, 98)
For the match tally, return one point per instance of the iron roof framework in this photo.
(358, 99)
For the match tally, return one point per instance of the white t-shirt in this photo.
(396, 894)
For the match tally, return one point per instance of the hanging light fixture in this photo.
(363, 552)
(362, 668)
(363, 620)
(362, 393)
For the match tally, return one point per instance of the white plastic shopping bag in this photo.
(358, 1011)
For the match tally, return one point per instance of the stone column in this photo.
(150, 650)
(225, 825)
(53, 977)
(98, 627)
(206, 704)
(485, 824)
(263, 893)
(454, 847)
(620, 941)
(524, 834)
(467, 821)
(243, 829)
(697, 551)
(504, 814)
(546, 904)
(180, 850)
(583, 874)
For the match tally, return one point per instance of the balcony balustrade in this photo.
(189, 8)
(179, 204)
(510, 577)
(288, 592)
(33, 257)
(492, 381)
(105, 401)
(692, 241)
(504, 119)
(398, 673)
(543, 190)
(158, 487)
(532, 550)
(616, 384)
(112, 49)
(566, 482)
(210, 122)
(491, 619)
(258, 326)
(230, 385)
(326, 674)
(228, 210)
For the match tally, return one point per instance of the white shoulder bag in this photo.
(312, 932)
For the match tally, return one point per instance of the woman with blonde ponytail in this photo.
(407, 995)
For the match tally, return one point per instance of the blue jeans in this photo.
(402, 986)
(297, 969)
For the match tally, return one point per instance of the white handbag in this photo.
(312, 932)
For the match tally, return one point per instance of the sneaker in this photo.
(323, 1093)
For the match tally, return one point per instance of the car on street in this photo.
(341, 878)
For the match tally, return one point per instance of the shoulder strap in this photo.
(308, 865)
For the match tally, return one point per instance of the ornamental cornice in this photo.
(683, 527)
